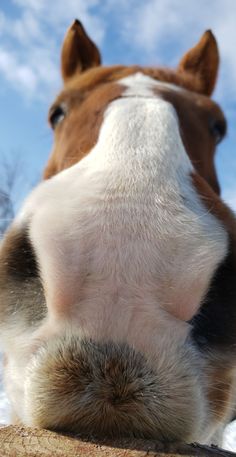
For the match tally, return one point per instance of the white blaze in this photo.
(125, 245)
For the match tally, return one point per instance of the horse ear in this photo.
(202, 62)
(78, 52)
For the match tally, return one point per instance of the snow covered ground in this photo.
(229, 439)
(4, 405)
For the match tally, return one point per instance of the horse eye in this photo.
(56, 115)
(218, 130)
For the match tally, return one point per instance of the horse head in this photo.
(117, 302)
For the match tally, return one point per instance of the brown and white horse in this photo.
(117, 278)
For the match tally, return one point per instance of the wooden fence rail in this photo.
(18, 441)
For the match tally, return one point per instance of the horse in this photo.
(117, 277)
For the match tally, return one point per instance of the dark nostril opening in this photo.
(21, 291)
(17, 255)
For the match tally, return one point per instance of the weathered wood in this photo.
(30, 442)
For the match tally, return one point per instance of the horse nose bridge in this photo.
(108, 389)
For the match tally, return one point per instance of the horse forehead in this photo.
(142, 84)
(138, 81)
(80, 133)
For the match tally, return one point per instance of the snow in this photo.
(4, 404)
(230, 437)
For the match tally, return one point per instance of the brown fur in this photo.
(85, 121)
(202, 62)
(215, 205)
(79, 52)
(222, 392)
(195, 113)
(109, 389)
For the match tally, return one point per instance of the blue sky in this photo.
(152, 32)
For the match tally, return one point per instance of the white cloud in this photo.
(30, 42)
(2, 21)
(151, 27)
(155, 25)
(26, 28)
(21, 76)
(36, 5)
(59, 15)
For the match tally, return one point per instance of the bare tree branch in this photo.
(12, 182)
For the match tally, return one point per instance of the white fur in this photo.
(129, 216)
(139, 84)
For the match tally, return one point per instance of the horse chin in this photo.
(111, 390)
